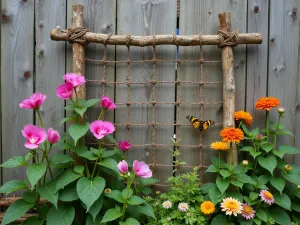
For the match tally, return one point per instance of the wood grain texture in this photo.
(202, 17)
(17, 51)
(147, 18)
(257, 59)
(283, 62)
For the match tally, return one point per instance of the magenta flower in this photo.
(64, 91)
(123, 166)
(53, 136)
(101, 128)
(141, 169)
(107, 103)
(124, 145)
(74, 79)
(34, 135)
(34, 101)
(248, 212)
(267, 197)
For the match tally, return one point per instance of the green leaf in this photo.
(253, 196)
(295, 206)
(47, 191)
(16, 210)
(245, 129)
(127, 193)
(291, 177)
(278, 153)
(296, 217)
(212, 169)
(65, 178)
(110, 164)
(77, 131)
(268, 163)
(243, 221)
(81, 110)
(60, 158)
(12, 186)
(257, 220)
(286, 149)
(206, 187)
(33, 221)
(278, 183)
(116, 195)
(214, 195)
(148, 181)
(251, 150)
(145, 209)
(235, 194)
(79, 149)
(222, 184)
(111, 215)
(255, 132)
(79, 169)
(263, 179)
(280, 216)
(13, 162)
(28, 156)
(30, 196)
(267, 147)
(108, 153)
(146, 190)
(64, 120)
(282, 200)
(237, 183)
(96, 207)
(111, 139)
(225, 173)
(130, 221)
(220, 219)
(35, 172)
(135, 200)
(90, 190)
(91, 102)
(89, 155)
(64, 215)
(285, 132)
(245, 179)
(68, 194)
(261, 214)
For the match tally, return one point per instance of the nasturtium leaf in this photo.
(268, 163)
(111, 215)
(63, 215)
(77, 131)
(278, 183)
(35, 172)
(90, 190)
(13, 162)
(12, 186)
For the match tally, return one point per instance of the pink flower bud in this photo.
(107, 103)
(75, 79)
(281, 110)
(124, 145)
(33, 102)
(259, 136)
(64, 91)
(101, 128)
(123, 166)
(141, 169)
(53, 136)
(34, 135)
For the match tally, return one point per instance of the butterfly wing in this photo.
(206, 124)
(194, 121)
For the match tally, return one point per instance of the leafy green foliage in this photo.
(63, 215)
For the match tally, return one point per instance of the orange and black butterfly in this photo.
(198, 124)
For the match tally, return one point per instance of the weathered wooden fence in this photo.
(31, 62)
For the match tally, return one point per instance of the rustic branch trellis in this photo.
(226, 39)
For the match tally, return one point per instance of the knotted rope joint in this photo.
(228, 38)
(77, 34)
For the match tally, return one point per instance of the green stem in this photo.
(219, 160)
(276, 133)
(40, 118)
(230, 155)
(129, 183)
(101, 114)
(76, 96)
(87, 170)
(267, 125)
(97, 160)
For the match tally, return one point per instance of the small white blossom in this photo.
(167, 204)
(183, 207)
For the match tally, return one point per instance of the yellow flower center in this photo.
(32, 140)
(247, 209)
(268, 195)
(231, 205)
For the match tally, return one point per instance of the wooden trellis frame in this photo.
(227, 39)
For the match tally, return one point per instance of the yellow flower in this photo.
(243, 116)
(231, 206)
(267, 103)
(232, 134)
(219, 146)
(207, 207)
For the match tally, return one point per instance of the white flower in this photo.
(183, 207)
(167, 204)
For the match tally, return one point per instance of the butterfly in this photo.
(198, 124)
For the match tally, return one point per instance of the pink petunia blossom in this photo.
(141, 169)
(124, 145)
(123, 166)
(53, 136)
(75, 79)
(34, 135)
(34, 101)
(101, 128)
(107, 103)
(64, 91)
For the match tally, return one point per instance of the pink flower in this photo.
(107, 103)
(34, 101)
(101, 128)
(34, 135)
(75, 79)
(248, 212)
(141, 169)
(64, 91)
(123, 166)
(267, 197)
(124, 145)
(53, 136)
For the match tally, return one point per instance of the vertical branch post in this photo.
(78, 49)
(228, 80)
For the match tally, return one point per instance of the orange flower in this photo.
(207, 207)
(244, 116)
(232, 134)
(267, 103)
(219, 146)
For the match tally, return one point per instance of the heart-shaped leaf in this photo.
(35, 172)
(268, 163)
(77, 131)
(278, 183)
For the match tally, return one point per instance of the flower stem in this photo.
(267, 125)
(101, 114)
(40, 118)
(230, 155)
(276, 133)
(129, 183)
(76, 96)
(97, 160)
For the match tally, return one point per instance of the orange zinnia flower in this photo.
(267, 103)
(207, 207)
(244, 116)
(219, 146)
(232, 134)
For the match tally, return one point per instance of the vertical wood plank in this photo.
(283, 61)
(147, 18)
(202, 17)
(257, 59)
(17, 46)
(50, 60)
(99, 17)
